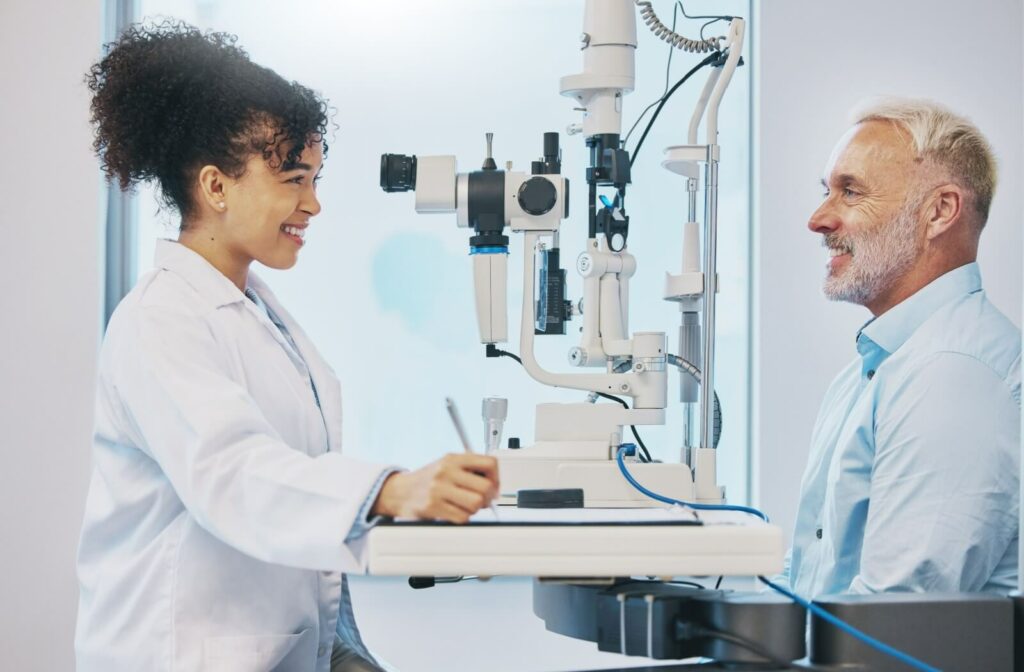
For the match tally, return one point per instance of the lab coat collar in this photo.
(210, 283)
(215, 287)
(891, 329)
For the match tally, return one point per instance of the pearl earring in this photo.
(221, 205)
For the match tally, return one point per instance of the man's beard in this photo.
(879, 257)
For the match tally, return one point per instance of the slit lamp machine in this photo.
(576, 443)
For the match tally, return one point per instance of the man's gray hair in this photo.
(943, 138)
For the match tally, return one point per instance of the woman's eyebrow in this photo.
(288, 167)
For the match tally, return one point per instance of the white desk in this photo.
(727, 543)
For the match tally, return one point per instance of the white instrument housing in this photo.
(441, 189)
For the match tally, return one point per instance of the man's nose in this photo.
(824, 220)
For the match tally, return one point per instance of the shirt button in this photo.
(322, 651)
(817, 533)
(871, 374)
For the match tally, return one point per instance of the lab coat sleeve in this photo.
(944, 485)
(227, 464)
(364, 521)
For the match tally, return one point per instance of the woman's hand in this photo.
(452, 488)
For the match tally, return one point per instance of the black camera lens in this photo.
(397, 172)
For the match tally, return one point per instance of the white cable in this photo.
(675, 39)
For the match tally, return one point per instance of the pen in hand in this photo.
(453, 413)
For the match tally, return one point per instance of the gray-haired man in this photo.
(912, 481)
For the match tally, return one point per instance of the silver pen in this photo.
(453, 413)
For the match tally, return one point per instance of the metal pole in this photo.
(689, 349)
(707, 387)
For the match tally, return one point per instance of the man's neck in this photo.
(914, 280)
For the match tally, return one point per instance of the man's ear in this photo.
(212, 188)
(943, 209)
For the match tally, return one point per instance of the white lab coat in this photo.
(220, 501)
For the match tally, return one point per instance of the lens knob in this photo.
(397, 172)
(537, 196)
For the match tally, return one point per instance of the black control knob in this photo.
(513, 443)
(537, 196)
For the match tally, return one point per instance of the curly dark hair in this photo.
(169, 99)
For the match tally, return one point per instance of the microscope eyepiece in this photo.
(397, 172)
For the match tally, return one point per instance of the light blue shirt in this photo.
(912, 479)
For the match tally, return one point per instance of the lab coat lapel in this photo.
(327, 385)
(268, 324)
(221, 292)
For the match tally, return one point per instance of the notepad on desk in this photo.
(510, 515)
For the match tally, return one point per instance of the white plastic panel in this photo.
(728, 543)
(435, 184)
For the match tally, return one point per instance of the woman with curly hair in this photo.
(221, 513)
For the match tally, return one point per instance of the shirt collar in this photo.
(892, 328)
(197, 272)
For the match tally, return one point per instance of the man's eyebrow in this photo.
(844, 179)
(288, 167)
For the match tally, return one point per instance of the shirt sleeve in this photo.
(783, 578)
(945, 480)
(364, 523)
(231, 469)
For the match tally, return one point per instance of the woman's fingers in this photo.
(467, 500)
(452, 488)
(476, 483)
(485, 465)
(451, 513)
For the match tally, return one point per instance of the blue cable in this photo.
(850, 630)
(809, 606)
(668, 500)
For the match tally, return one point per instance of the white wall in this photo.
(49, 321)
(816, 60)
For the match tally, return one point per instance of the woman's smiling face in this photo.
(268, 209)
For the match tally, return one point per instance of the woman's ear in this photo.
(212, 183)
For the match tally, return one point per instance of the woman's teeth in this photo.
(295, 231)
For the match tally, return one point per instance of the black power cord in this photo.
(645, 455)
(712, 58)
(612, 397)
(716, 17)
(668, 65)
(652, 580)
(494, 351)
(686, 630)
(640, 442)
(688, 584)
(668, 73)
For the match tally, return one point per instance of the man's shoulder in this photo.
(970, 327)
(971, 330)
